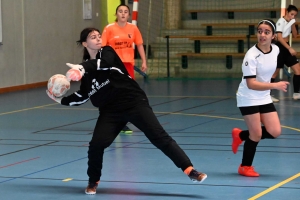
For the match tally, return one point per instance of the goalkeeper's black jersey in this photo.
(107, 84)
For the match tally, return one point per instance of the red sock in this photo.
(188, 170)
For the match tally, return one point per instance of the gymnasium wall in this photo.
(39, 37)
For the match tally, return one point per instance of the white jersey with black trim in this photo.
(261, 66)
(284, 27)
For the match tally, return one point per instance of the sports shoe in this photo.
(247, 171)
(275, 100)
(236, 140)
(126, 130)
(91, 188)
(196, 176)
(296, 96)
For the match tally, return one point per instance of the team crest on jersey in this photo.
(246, 63)
(130, 35)
(278, 24)
(96, 86)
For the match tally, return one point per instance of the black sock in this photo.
(266, 134)
(249, 152)
(244, 135)
(296, 83)
(272, 81)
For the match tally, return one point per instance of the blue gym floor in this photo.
(44, 148)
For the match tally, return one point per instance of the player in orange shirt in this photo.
(123, 37)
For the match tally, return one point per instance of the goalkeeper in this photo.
(106, 82)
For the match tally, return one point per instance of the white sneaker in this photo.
(296, 96)
(274, 99)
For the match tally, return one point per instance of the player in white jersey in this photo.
(287, 56)
(254, 99)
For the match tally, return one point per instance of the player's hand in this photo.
(293, 21)
(144, 67)
(75, 73)
(292, 51)
(282, 85)
(57, 99)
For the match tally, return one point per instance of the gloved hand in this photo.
(57, 99)
(75, 73)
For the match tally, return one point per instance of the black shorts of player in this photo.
(285, 57)
(249, 110)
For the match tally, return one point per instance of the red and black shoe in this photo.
(236, 140)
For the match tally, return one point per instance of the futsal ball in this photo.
(58, 85)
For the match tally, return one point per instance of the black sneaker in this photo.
(196, 176)
(126, 130)
(91, 188)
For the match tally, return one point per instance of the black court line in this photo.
(125, 145)
(112, 149)
(165, 115)
(149, 143)
(179, 111)
(107, 150)
(65, 125)
(31, 140)
(76, 161)
(201, 105)
(27, 148)
(216, 150)
(49, 133)
(142, 135)
(138, 133)
(150, 182)
(228, 132)
(96, 118)
(169, 132)
(181, 145)
(151, 106)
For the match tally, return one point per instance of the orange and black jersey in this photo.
(107, 84)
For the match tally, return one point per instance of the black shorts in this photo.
(249, 110)
(285, 57)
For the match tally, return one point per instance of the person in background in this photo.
(123, 37)
(287, 56)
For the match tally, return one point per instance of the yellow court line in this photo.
(67, 179)
(38, 107)
(15, 111)
(288, 127)
(221, 117)
(274, 187)
(200, 115)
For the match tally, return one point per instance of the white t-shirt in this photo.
(261, 66)
(284, 27)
